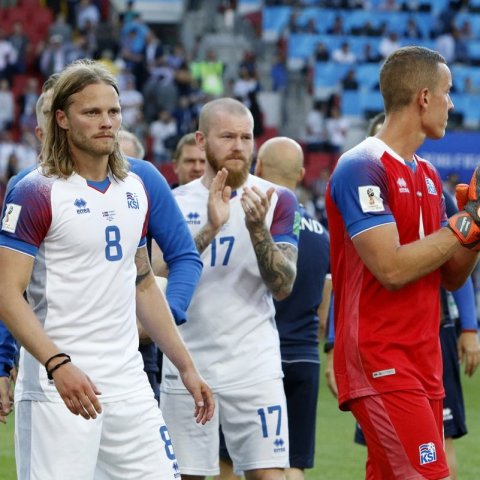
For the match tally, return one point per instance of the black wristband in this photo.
(58, 355)
(328, 347)
(58, 365)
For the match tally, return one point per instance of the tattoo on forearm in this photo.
(143, 265)
(277, 264)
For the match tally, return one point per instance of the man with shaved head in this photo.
(280, 160)
(244, 229)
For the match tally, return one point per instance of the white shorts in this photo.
(128, 440)
(254, 423)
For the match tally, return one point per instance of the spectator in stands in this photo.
(185, 116)
(7, 105)
(27, 100)
(177, 57)
(86, 12)
(368, 29)
(336, 127)
(315, 127)
(8, 56)
(131, 101)
(244, 85)
(132, 53)
(465, 30)
(310, 27)
(162, 130)
(209, 73)
(412, 31)
(469, 86)
(21, 44)
(321, 53)
(129, 13)
(389, 6)
(160, 90)
(344, 55)
(292, 25)
(154, 49)
(337, 27)
(461, 53)
(279, 73)
(445, 44)
(389, 43)
(279, 79)
(53, 59)
(369, 54)
(349, 81)
(61, 27)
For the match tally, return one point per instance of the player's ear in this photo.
(39, 134)
(62, 119)
(301, 174)
(200, 139)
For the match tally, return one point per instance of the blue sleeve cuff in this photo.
(465, 300)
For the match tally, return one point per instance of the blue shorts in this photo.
(453, 405)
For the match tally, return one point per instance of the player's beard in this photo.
(236, 177)
(91, 146)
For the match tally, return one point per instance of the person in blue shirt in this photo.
(280, 160)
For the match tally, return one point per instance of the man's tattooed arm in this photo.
(277, 263)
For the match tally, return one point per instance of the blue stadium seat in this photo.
(371, 101)
(474, 51)
(274, 21)
(472, 18)
(323, 18)
(351, 103)
(468, 106)
(329, 74)
(368, 75)
(437, 6)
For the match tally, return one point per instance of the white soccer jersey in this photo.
(231, 332)
(84, 237)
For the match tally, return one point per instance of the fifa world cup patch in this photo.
(428, 454)
(370, 199)
(10, 219)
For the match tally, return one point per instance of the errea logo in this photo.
(402, 186)
(193, 218)
(278, 445)
(81, 205)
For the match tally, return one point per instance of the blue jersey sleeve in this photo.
(330, 322)
(358, 187)
(168, 228)
(465, 299)
(8, 350)
(286, 218)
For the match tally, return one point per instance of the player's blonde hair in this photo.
(55, 155)
(405, 72)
